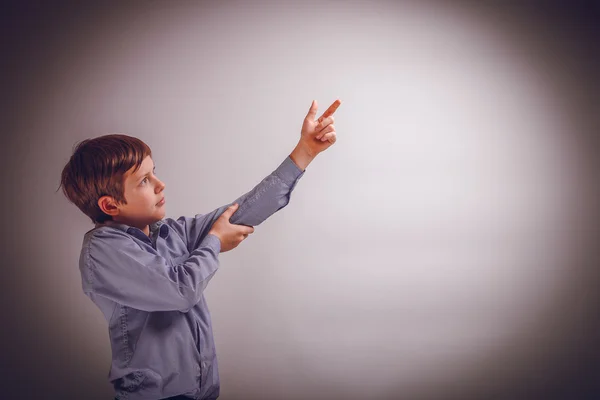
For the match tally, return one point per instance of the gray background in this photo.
(443, 248)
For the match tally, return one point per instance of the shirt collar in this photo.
(160, 226)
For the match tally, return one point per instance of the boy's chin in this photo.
(158, 216)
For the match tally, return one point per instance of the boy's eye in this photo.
(146, 178)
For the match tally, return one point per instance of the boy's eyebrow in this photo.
(147, 173)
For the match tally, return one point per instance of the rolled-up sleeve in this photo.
(117, 268)
(270, 195)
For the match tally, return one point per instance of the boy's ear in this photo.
(108, 205)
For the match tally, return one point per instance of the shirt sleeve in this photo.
(120, 270)
(270, 195)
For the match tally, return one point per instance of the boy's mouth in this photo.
(161, 202)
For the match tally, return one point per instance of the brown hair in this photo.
(97, 168)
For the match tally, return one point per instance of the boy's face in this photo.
(143, 192)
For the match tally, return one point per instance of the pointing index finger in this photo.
(330, 110)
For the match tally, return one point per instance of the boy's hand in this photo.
(317, 136)
(229, 234)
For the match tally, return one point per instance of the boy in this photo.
(147, 273)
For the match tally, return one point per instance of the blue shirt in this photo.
(151, 292)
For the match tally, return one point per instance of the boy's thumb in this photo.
(230, 210)
(312, 112)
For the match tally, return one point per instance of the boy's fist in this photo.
(230, 235)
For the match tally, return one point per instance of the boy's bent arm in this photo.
(270, 195)
(117, 268)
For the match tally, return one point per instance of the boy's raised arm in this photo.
(274, 191)
(270, 195)
(115, 267)
(255, 206)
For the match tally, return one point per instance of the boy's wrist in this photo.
(302, 155)
(214, 233)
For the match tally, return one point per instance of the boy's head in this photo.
(112, 177)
